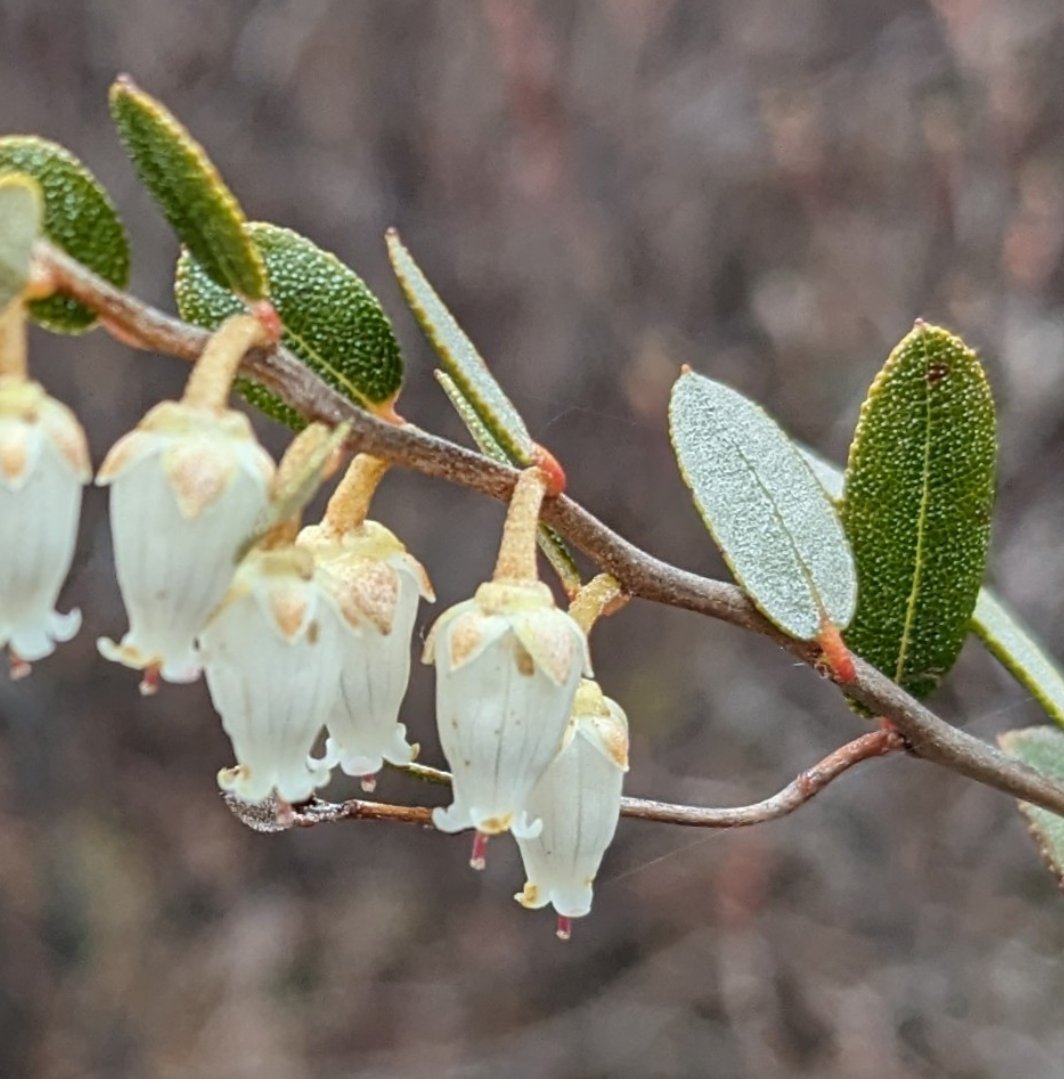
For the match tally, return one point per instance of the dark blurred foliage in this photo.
(602, 191)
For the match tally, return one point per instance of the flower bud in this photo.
(271, 655)
(187, 488)
(44, 463)
(376, 584)
(578, 798)
(507, 667)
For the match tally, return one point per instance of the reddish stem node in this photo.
(835, 654)
(564, 930)
(266, 315)
(369, 783)
(549, 465)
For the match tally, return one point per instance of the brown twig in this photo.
(270, 817)
(640, 574)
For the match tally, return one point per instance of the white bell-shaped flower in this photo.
(507, 666)
(578, 799)
(44, 463)
(271, 654)
(377, 585)
(188, 486)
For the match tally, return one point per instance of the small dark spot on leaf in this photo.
(937, 372)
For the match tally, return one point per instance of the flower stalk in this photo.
(211, 381)
(13, 361)
(517, 551)
(349, 506)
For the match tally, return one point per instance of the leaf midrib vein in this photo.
(921, 530)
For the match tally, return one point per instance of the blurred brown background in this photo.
(602, 191)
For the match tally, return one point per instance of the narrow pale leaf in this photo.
(770, 517)
(1020, 653)
(184, 182)
(78, 217)
(550, 543)
(330, 320)
(460, 358)
(295, 491)
(917, 501)
(21, 209)
(1042, 748)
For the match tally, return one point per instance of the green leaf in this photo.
(550, 543)
(330, 320)
(460, 358)
(1042, 748)
(1020, 653)
(78, 217)
(193, 196)
(21, 210)
(918, 495)
(770, 517)
(1000, 630)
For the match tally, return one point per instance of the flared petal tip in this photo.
(30, 643)
(451, 819)
(523, 828)
(186, 668)
(242, 783)
(531, 898)
(247, 785)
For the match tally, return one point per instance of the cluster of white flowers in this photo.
(309, 632)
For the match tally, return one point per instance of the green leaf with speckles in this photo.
(550, 543)
(78, 217)
(460, 358)
(1020, 653)
(21, 209)
(1042, 748)
(330, 320)
(184, 182)
(918, 494)
(1000, 630)
(773, 522)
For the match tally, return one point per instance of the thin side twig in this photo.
(639, 573)
(270, 816)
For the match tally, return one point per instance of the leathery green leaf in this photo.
(918, 494)
(1042, 748)
(550, 543)
(773, 522)
(460, 358)
(1000, 630)
(186, 185)
(78, 217)
(330, 320)
(21, 209)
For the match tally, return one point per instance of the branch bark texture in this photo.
(926, 735)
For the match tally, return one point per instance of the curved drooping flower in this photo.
(44, 463)
(578, 798)
(271, 654)
(187, 488)
(507, 666)
(377, 585)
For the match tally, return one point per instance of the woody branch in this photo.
(642, 575)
